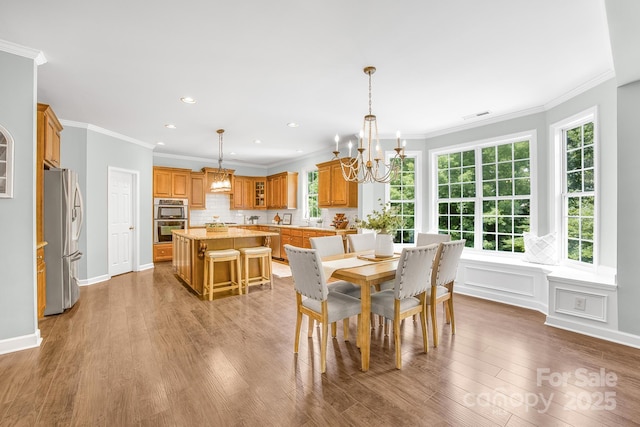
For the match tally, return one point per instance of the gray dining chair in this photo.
(333, 245)
(443, 275)
(409, 294)
(314, 299)
(425, 239)
(361, 242)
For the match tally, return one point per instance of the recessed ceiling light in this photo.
(257, 141)
(299, 151)
(293, 124)
(170, 126)
(159, 143)
(188, 100)
(233, 153)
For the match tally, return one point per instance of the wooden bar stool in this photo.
(227, 255)
(263, 254)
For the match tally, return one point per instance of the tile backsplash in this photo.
(218, 205)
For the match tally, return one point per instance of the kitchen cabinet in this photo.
(182, 259)
(162, 252)
(282, 191)
(49, 129)
(242, 197)
(285, 239)
(47, 156)
(171, 182)
(41, 280)
(259, 193)
(333, 190)
(198, 199)
(249, 192)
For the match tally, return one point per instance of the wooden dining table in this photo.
(365, 276)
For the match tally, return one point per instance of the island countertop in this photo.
(230, 233)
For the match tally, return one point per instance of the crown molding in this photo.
(107, 132)
(208, 160)
(26, 52)
(487, 121)
(607, 75)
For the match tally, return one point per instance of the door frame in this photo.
(135, 210)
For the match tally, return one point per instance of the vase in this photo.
(384, 245)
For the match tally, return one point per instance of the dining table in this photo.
(365, 270)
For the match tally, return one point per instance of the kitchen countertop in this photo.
(231, 233)
(329, 228)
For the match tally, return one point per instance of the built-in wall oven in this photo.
(169, 215)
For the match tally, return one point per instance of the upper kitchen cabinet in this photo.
(333, 190)
(49, 129)
(249, 192)
(242, 197)
(171, 182)
(282, 191)
(210, 174)
(198, 199)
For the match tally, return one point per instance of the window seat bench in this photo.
(571, 298)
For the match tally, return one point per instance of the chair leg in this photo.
(334, 329)
(205, 283)
(345, 328)
(211, 268)
(270, 270)
(434, 324)
(246, 275)
(425, 334)
(298, 324)
(310, 331)
(386, 327)
(453, 319)
(396, 342)
(323, 350)
(445, 308)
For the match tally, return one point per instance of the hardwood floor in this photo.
(140, 349)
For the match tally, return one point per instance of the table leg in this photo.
(365, 327)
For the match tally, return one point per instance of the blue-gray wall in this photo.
(91, 153)
(17, 215)
(628, 208)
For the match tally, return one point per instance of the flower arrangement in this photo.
(385, 221)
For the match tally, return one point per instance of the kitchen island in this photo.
(189, 247)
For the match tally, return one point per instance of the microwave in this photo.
(170, 208)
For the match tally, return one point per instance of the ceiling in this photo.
(254, 66)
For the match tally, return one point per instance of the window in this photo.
(576, 138)
(312, 209)
(484, 193)
(402, 192)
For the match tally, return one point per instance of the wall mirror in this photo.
(6, 163)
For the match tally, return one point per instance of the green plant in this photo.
(386, 221)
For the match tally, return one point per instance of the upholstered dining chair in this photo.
(443, 274)
(314, 299)
(361, 242)
(409, 294)
(425, 239)
(333, 245)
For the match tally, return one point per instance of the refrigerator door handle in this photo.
(74, 256)
(78, 211)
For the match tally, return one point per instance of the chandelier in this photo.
(221, 177)
(369, 166)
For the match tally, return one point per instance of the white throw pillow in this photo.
(540, 250)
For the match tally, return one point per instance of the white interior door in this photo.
(121, 222)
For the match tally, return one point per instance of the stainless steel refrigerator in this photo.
(63, 217)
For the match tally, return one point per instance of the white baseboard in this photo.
(94, 280)
(593, 331)
(20, 343)
(144, 267)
